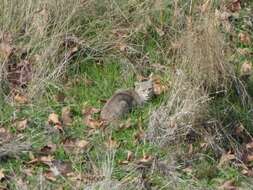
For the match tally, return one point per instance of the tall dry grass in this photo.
(202, 69)
(38, 28)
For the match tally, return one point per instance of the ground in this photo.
(68, 147)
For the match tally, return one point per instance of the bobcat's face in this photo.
(145, 90)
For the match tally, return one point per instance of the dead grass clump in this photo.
(204, 54)
(183, 110)
(37, 29)
(202, 68)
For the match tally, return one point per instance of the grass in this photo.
(122, 41)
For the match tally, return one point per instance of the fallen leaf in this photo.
(159, 88)
(246, 68)
(2, 175)
(90, 111)
(139, 135)
(5, 50)
(129, 158)
(247, 172)
(93, 123)
(47, 160)
(75, 146)
(22, 125)
(244, 51)
(250, 157)
(244, 38)
(239, 129)
(53, 118)
(48, 149)
(147, 160)
(21, 99)
(112, 144)
(130, 155)
(82, 144)
(226, 157)
(59, 127)
(5, 135)
(234, 5)
(49, 175)
(228, 185)
(125, 125)
(60, 97)
(249, 145)
(66, 116)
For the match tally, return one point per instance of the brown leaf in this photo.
(48, 149)
(125, 125)
(244, 38)
(246, 68)
(130, 156)
(239, 129)
(90, 111)
(128, 159)
(250, 157)
(5, 50)
(47, 160)
(139, 135)
(112, 144)
(226, 157)
(2, 175)
(89, 120)
(66, 116)
(159, 88)
(49, 175)
(21, 99)
(244, 51)
(53, 118)
(228, 185)
(93, 123)
(249, 145)
(146, 160)
(60, 97)
(82, 144)
(22, 125)
(247, 172)
(75, 146)
(5, 135)
(234, 5)
(59, 127)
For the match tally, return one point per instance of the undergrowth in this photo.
(195, 135)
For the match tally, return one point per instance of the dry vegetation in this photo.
(195, 135)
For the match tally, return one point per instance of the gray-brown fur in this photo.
(123, 101)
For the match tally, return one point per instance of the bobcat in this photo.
(123, 101)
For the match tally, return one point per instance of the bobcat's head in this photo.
(144, 89)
